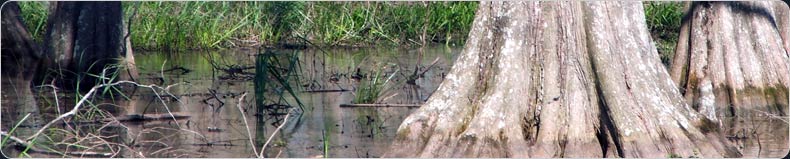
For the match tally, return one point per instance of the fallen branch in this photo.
(380, 105)
(326, 90)
(91, 93)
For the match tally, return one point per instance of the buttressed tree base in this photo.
(559, 79)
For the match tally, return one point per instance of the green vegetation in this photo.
(206, 25)
(272, 73)
(663, 20)
(209, 25)
(34, 14)
(371, 88)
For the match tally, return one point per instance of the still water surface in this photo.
(321, 81)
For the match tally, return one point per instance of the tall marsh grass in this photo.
(207, 25)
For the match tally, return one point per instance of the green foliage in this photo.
(663, 21)
(34, 15)
(203, 25)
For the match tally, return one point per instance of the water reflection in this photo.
(320, 128)
(216, 128)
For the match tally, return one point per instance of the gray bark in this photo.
(558, 79)
(732, 62)
(730, 56)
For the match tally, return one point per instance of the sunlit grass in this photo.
(207, 25)
(663, 21)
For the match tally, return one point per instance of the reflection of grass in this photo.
(663, 20)
(274, 73)
(370, 90)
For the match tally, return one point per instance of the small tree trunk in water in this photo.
(85, 38)
(731, 58)
(558, 79)
(20, 58)
(731, 61)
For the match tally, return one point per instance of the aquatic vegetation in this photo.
(372, 87)
(274, 71)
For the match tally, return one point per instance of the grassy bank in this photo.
(206, 25)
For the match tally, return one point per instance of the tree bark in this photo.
(20, 58)
(85, 38)
(731, 58)
(558, 79)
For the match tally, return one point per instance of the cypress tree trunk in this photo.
(558, 79)
(85, 38)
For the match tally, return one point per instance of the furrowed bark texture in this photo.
(558, 79)
(731, 58)
(85, 38)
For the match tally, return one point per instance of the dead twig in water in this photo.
(285, 120)
(380, 105)
(91, 93)
(246, 125)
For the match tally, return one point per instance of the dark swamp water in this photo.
(321, 80)
(300, 90)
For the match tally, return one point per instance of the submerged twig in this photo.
(285, 120)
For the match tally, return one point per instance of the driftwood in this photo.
(134, 118)
(380, 105)
(326, 90)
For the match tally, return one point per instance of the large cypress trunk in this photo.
(558, 79)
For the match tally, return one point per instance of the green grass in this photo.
(210, 25)
(35, 18)
(371, 88)
(663, 21)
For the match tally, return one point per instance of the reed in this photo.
(371, 88)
